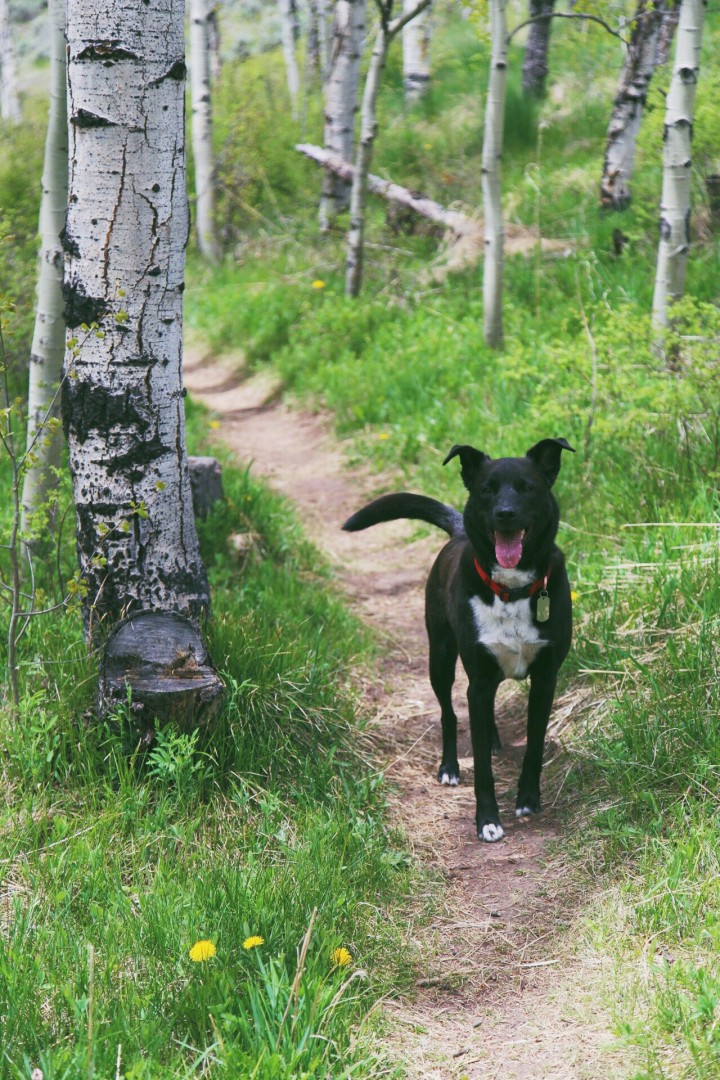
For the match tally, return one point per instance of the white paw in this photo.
(491, 833)
(444, 778)
(453, 781)
(523, 811)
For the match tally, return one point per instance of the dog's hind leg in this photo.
(443, 659)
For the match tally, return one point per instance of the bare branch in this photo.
(566, 15)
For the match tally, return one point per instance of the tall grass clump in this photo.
(158, 888)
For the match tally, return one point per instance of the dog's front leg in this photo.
(542, 693)
(481, 706)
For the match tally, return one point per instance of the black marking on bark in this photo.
(176, 72)
(687, 75)
(154, 271)
(135, 461)
(85, 119)
(79, 307)
(88, 407)
(687, 227)
(68, 242)
(107, 52)
(665, 229)
(155, 188)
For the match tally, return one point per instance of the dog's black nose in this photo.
(505, 515)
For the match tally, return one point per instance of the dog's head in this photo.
(511, 516)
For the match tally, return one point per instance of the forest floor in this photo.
(512, 987)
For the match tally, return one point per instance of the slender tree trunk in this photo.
(535, 64)
(322, 8)
(368, 130)
(9, 99)
(44, 437)
(201, 99)
(677, 163)
(288, 24)
(629, 104)
(213, 27)
(416, 53)
(124, 240)
(491, 177)
(341, 91)
(670, 14)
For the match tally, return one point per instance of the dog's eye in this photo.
(524, 487)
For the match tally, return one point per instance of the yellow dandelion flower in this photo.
(318, 284)
(340, 957)
(201, 951)
(427, 146)
(253, 942)
(383, 435)
(214, 424)
(574, 595)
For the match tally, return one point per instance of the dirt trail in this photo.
(505, 995)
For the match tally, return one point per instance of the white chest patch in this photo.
(508, 632)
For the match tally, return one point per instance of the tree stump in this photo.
(206, 484)
(158, 659)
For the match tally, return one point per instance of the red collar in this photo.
(508, 595)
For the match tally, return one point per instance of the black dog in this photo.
(498, 594)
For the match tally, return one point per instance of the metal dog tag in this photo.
(543, 607)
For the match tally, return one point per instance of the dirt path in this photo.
(507, 993)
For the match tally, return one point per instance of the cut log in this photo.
(206, 484)
(157, 660)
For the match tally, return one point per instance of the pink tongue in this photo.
(508, 549)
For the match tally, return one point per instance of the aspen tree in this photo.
(9, 99)
(387, 29)
(674, 242)
(44, 438)
(629, 104)
(416, 53)
(535, 63)
(125, 237)
(201, 109)
(289, 29)
(341, 94)
(491, 176)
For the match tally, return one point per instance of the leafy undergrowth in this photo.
(406, 374)
(118, 858)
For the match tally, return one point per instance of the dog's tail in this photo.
(407, 505)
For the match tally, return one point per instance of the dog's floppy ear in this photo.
(546, 455)
(471, 461)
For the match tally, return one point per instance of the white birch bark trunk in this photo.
(368, 132)
(124, 240)
(213, 29)
(9, 98)
(341, 93)
(629, 104)
(288, 26)
(201, 108)
(416, 53)
(491, 177)
(677, 162)
(44, 437)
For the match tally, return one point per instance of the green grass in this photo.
(134, 853)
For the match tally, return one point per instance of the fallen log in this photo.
(457, 222)
(465, 242)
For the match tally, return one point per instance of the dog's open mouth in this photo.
(509, 547)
